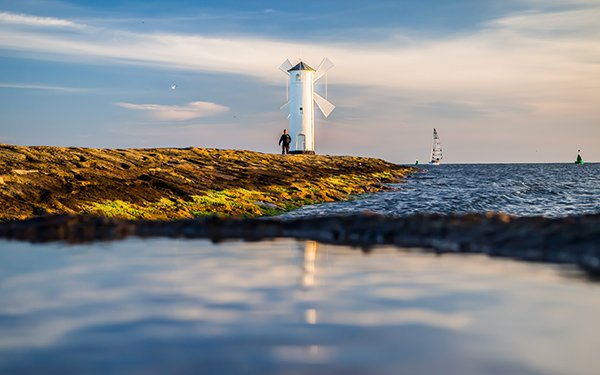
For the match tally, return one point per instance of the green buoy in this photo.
(579, 159)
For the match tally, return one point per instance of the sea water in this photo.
(288, 307)
(173, 306)
(551, 190)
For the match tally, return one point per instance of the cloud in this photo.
(507, 56)
(27, 86)
(28, 20)
(584, 20)
(177, 113)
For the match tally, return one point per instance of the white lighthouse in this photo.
(300, 106)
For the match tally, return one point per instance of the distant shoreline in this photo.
(177, 183)
(507, 163)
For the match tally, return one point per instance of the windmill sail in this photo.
(324, 105)
(285, 109)
(285, 66)
(323, 68)
(436, 153)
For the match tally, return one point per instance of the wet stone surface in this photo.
(573, 240)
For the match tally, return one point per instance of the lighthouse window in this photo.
(297, 76)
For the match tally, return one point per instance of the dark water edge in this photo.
(571, 240)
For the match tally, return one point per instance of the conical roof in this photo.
(301, 66)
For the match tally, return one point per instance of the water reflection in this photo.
(309, 250)
(166, 306)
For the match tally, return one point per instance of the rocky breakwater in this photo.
(571, 240)
(171, 183)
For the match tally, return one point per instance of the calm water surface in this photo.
(551, 190)
(167, 306)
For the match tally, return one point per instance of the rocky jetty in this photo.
(571, 240)
(170, 183)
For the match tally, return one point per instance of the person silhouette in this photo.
(285, 141)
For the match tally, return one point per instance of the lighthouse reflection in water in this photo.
(308, 282)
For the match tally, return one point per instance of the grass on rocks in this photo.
(178, 183)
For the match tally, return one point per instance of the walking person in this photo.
(285, 141)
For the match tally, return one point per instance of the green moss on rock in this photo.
(178, 183)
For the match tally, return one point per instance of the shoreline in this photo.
(178, 183)
(569, 240)
(79, 195)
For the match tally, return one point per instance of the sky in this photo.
(501, 80)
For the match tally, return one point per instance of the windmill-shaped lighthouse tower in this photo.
(300, 106)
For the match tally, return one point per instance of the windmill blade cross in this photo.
(285, 66)
(324, 105)
(323, 68)
(285, 109)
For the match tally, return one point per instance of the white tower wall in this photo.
(301, 103)
(302, 110)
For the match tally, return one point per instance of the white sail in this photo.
(436, 153)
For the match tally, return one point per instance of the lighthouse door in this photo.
(301, 142)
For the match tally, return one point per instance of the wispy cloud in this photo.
(516, 54)
(177, 113)
(29, 20)
(27, 86)
(581, 20)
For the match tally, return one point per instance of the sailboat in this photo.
(579, 159)
(436, 153)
